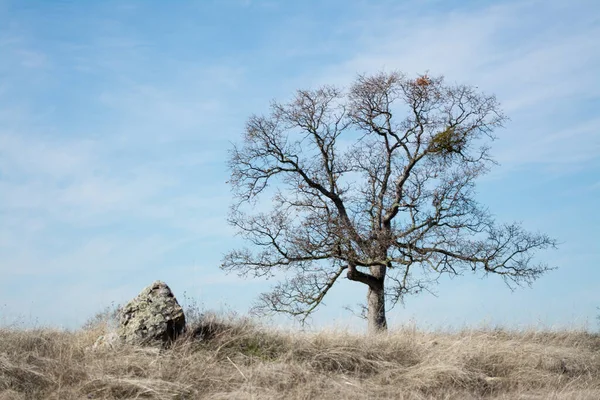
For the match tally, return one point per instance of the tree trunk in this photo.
(376, 309)
(375, 295)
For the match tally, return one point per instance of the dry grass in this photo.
(237, 360)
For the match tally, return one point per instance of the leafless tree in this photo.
(372, 183)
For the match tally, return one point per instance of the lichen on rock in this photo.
(152, 317)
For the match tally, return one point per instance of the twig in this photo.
(239, 370)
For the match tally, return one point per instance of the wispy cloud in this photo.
(538, 70)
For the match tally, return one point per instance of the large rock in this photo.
(153, 317)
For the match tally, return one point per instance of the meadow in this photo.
(235, 358)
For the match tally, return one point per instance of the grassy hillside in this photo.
(237, 360)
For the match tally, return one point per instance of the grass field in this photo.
(235, 359)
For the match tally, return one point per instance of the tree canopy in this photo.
(376, 184)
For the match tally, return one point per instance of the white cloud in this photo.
(572, 146)
(26, 153)
(33, 59)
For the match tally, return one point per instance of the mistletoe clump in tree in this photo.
(375, 184)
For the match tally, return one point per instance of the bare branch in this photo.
(378, 181)
(299, 296)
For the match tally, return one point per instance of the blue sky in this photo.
(116, 118)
